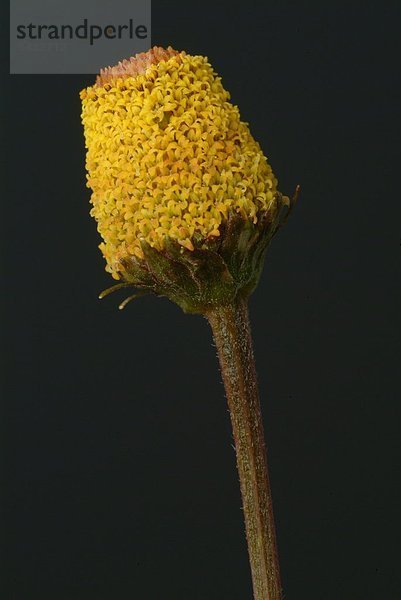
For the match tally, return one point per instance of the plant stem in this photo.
(232, 335)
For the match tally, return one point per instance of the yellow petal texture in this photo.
(167, 155)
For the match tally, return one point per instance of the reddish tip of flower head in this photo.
(136, 64)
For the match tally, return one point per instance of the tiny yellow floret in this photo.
(167, 155)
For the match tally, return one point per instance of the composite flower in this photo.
(168, 156)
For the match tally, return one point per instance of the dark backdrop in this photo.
(120, 474)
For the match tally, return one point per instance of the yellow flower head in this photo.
(168, 156)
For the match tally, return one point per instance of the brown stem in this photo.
(231, 331)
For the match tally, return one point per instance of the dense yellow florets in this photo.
(168, 156)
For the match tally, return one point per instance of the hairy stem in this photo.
(231, 331)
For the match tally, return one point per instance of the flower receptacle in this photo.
(216, 271)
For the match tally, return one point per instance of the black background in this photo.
(120, 474)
